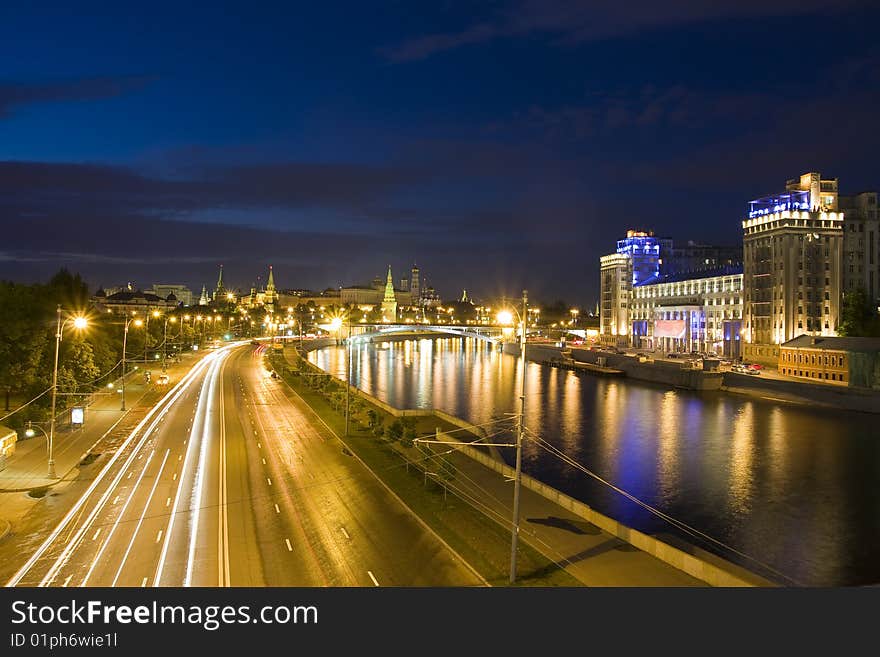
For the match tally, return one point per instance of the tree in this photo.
(858, 318)
(395, 431)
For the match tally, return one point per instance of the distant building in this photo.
(270, 296)
(220, 290)
(690, 256)
(861, 245)
(684, 312)
(137, 301)
(415, 286)
(847, 361)
(792, 245)
(615, 289)
(182, 292)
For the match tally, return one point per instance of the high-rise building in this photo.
(792, 245)
(616, 285)
(637, 259)
(861, 245)
(404, 284)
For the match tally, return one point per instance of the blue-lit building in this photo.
(643, 251)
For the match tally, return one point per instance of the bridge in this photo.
(368, 332)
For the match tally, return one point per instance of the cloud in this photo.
(16, 94)
(577, 22)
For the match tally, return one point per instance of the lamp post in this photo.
(347, 374)
(79, 322)
(505, 317)
(137, 322)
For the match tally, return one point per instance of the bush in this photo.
(395, 431)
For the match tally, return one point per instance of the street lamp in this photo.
(137, 322)
(79, 323)
(165, 340)
(505, 317)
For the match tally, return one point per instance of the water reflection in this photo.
(797, 487)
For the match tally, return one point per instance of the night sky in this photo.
(498, 145)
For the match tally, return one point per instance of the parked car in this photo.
(162, 380)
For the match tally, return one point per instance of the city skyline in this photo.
(484, 146)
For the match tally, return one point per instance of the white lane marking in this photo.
(157, 578)
(345, 533)
(259, 445)
(129, 475)
(67, 581)
(167, 501)
(143, 513)
(98, 531)
(174, 477)
(170, 398)
(269, 480)
(277, 510)
(115, 500)
(289, 546)
(264, 461)
(179, 457)
(143, 582)
(196, 503)
(372, 577)
(159, 536)
(116, 522)
(223, 511)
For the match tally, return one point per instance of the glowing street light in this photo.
(79, 323)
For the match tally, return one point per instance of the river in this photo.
(793, 488)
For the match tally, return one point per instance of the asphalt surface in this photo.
(227, 482)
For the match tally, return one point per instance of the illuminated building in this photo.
(389, 302)
(792, 245)
(637, 259)
(689, 312)
(851, 361)
(861, 245)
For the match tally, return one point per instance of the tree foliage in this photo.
(857, 317)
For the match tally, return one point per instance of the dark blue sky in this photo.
(496, 144)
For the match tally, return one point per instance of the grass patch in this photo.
(478, 538)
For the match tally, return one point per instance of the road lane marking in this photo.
(223, 510)
(277, 510)
(372, 577)
(167, 502)
(259, 445)
(143, 582)
(143, 514)
(116, 522)
(264, 461)
(269, 480)
(67, 581)
(345, 533)
(157, 578)
(289, 546)
(159, 536)
(129, 475)
(174, 477)
(96, 534)
(115, 500)
(179, 457)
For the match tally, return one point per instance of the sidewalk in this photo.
(588, 553)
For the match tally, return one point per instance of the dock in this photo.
(578, 366)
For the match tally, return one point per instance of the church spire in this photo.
(221, 290)
(270, 296)
(389, 302)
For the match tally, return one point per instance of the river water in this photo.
(793, 488)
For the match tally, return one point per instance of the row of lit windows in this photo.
(831, 376)
(810, 359)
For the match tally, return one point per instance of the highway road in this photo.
(229, 482)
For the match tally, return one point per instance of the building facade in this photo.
(845, 361)
(861, 245)
(182, 292)
(792, 246)
(615, 289)
(679, 313)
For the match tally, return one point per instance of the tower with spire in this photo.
(270, 296)
(389, 302)
(220, 292)
(203, 300)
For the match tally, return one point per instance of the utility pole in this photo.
(347, 373)
(519, 438)
(51, 473)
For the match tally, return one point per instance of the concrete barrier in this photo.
(722, 573)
